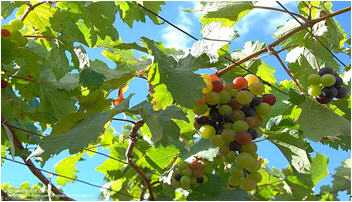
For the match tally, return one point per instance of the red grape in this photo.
(3, 83)
(5, 33)
(213, 77)
(269, 98)
(217, 85)
(194, 165)
(243, 138)
(239, 83)
(322, 99)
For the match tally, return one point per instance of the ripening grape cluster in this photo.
(230, 116)
(326, 85)
(12, 40)
(189, 174)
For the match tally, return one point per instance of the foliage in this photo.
(54, 85)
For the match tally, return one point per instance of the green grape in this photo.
(238, 115)
(255, 166)
(186, 172)
(257, 177)
(224, 149)
(228, 135)
(244, 160)
(207, 132)
(263, 109)
(16, 24)
(255, 155)
(182, 165)
(217, 141)
(328, 80)
(314, 90)
(227, 125)
(193, 180)
(212, 98)
(234, 181)
(230, 157)
(185, 180)
(200, 109)
(240, 126)
(244, 97)
(225, 96)
(236, 171)
(247, 184)
(314, 79)
(225, 109)
(249, 148)
(205, 179)
(234, 92)
(256, 88)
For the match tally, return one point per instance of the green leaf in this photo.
(79, 136)
(94, 102)
(91, 78)
(167, 75)
(203, 148)
(39, 17)
(58, 61)
(67, 167)
(314, 116)
(295, 97)
(342, 177)
(161, 156)
(319, 168)
(7, 7)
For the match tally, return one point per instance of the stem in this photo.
(281, 10)
(133, 138)
(45, 37)
(117, 119)
(277, 42)
(30, 9)
(22, 78)
(32, 167)
(273, 52)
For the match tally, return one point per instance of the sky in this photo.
(257, 25)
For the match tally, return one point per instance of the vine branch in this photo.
(280, 10)
(278, 41)
(36, 36)
(117, 119)
(32, 167)
(30, 8)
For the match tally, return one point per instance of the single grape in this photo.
(322, 99)
(201, 120)
(197, 173)
(236, 171)
(215, 115)
(253, 133)
(244, 97)
(228, 87)
(234, 146)
(225, 96)
(200, 109)
(240, 126)
(255, 166)
(252, 121)
(186, 172)
(247, 184)
(224, 150)
(325, 70)
(243, 138)
(256, 101)
(269, 98)
(235, 105)
(4, 84)
(263, 109)
(177, 177)
(16, 24)
(338, 82)
(193, 180)
(238, 115)
(259, 121)
(227, 117)
(234, 181)
(225, 109)
(213, 77)
(197, 126)
(217, 141)
(207, 81)
(228, 125)
(5, 33)
(259, 132)
(341, 92)
(314, 90)
(248, 110)
(230, 157)
(251, 78)
(228, 135)
(249, 148)
(329, 92)
(328, 80)
(207, 132)
(257, 177)
(256, 88)
(244, 160)
(212, 98)
(217, 85)
(239, 83)
(314, 79)
(233, 92)
(200, 180)
(194, 165)
(185, 180)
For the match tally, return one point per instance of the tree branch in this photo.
(273, 52)
(117, 119)
(36, 36)
(133, 138)
(277, 42)
(30, 8)
(32, 167)
(281, 10)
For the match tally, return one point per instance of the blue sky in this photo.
(257, 25)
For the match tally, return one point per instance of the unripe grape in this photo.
(185, 180)
(212, 98)
(238, 115)
(247, 184)
(236, 171)
(257, 177)
(252, 121)
(314, 79)
(239, 83)
(225, 97)
(207, 132)
(8, 27)
(197, 173)
(240, 126)
(228, 125)
(186, 172)
(328, 80)
(224, 150)
(244, 160)
(263, 109)
(217, 141)
(244, 97)
(249, 148)
(230, 157)
(228, 135)
(205, 179)
(16, 24)
(251, 78)
(234, 181)
(175, 184)
(200, 109)
(314, 90)
(256, 88)
(254, 166)
(225, 109)
(182, 165)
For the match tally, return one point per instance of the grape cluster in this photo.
(189, 174)
(326, 85)
(12, 40)
(230, 116)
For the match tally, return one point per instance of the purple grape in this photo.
(322, 99)
(329, 92)
(177, 177)
(248, 110)
(201, 120)
(338, 82)
(253, 133)
(341, 92)
(256, 101)
(227, 117)
(325, 70)
(215, 115)
(234, 146)
(200, 180)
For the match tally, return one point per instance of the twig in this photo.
(281, 10)
(273, 52)
(35, 36)
(30, 8)
(133, 138)
(277, 42)
(260, 140)
(32, 167)
(144, 188)
(117, 119)
(22, 78)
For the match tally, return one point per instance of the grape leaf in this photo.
(342, 177)
(319, 168)
(67, 167)
(161, 156)
(203, 148)
(58, 61)
(91, 78)
(7, 7)
(39, 18)
(314, 116)
(79, 136)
